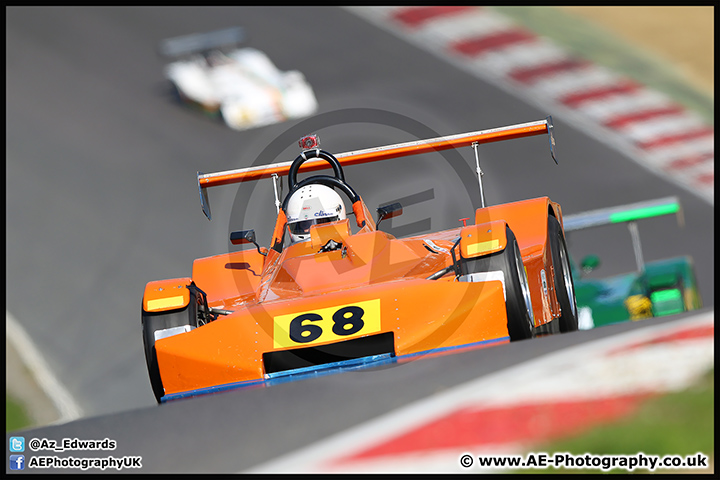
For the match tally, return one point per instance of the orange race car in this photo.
(326, 296)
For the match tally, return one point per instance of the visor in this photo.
(302, 227)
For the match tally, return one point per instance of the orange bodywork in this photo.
(528, 221)
(166, 295)
(384, 276)
(373, 284)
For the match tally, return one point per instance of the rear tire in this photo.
(153, 322)
(518, 305)
(176, 95)
(564, 286)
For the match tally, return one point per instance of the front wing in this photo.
(407, 318)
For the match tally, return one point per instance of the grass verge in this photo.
(679, 423)
(16, 417)
(595, 43)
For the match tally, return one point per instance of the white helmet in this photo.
(311, 205)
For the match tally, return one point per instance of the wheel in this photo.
(157, 322)
(564, 286)
(175, 92)
(518, 305)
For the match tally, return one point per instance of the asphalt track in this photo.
(101, 199)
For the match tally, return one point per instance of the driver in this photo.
(312, 205)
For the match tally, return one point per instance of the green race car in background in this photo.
(662, 287)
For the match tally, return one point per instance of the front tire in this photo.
(518, 305)
(564, 285)
(157, 322)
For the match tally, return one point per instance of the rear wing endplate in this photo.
(200, 42)
(206, 180)
(624, 213)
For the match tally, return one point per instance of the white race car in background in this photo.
(241, 85)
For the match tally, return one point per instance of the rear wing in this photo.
(624, 213)
(206, 180)
(628, 214)
(200, 42)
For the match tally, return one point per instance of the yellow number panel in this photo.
(327, 324)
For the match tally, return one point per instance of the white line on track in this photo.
(513, 57)
(622, 104)
(561, 84)
(701, 146)
(461, 26)
(658, 128)
(32, 358)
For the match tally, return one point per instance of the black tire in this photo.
(175, 93)
(518, 303)
(152, 322)
(564, 286)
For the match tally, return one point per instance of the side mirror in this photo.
(590, 263)
(243, 236)
(246, 236)
(388, 211)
